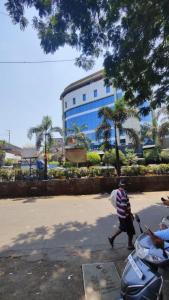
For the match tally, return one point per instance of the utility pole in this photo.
(9, 136)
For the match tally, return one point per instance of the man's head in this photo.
(122, 184)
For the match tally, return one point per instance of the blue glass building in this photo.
(82, 100)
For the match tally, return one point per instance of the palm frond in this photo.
(50, 140)
(133, 136)
(163, 130)
(31, 131)
(46, 123)
(132, 113)
(39, 140)
(103, 131)
(145, 131)
(162, 111)
(69, 131)
(83, 127)
(105, 113)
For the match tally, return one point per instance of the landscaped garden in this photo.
(154, 162)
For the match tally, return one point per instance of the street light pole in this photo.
(45, 160)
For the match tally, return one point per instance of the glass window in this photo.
(90, 105)
(122, 141)
(84, 97)
(65, 104)
(95, 93)
(122, 132)
(74, 101)
(108, 89)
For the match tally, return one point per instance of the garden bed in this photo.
(81, 186)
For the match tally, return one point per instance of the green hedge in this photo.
(109, 157)
(135, 170)
(152, 156)
(145, 170)
(164, 156)
(93, 158)
(82, 172)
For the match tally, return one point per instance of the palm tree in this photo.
(154, 130)
(44, 136)
(103, 131)
(80, 138)
(117, 116)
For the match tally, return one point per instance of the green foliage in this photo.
(44, 137)
(134, 170)
(131, 157)
(20, 174)
(109, 157)
(155, 131)
(103, 131)
(95, 26)
(9, 161)
(44, 133)
(93, 158)
(2, 157)
(141, 161)
(103, 172)
(68, 164)
(116, 116)
(54, 163)
(55, 173)
(164, 156)
(6, 175)
(152, 155)
(81, 139)
(82, 172)
(158, 169)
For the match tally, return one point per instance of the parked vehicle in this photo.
(141, 278)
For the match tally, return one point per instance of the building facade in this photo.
(81, 102)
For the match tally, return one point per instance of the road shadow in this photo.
(63, 248)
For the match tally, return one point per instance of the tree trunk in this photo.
(46, 162)
(118, 167)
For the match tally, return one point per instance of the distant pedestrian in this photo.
(125, 216)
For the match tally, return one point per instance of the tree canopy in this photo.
(133, 36)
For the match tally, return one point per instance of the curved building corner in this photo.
(82, 100)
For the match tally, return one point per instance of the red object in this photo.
(71, 140)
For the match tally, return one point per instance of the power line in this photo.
(36, 61)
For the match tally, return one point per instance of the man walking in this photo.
(125, 216)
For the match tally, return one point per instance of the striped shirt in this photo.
(122, 203)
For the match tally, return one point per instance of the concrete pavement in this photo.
(45, 240)
(69, 221)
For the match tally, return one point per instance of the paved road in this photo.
(45, 241)
(69, 221)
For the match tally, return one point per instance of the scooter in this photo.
(141, 278)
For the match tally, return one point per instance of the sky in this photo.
(30, 91)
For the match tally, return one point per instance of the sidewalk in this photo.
(56, 275)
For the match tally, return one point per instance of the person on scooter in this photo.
(125, 216)
(160, 236)
(163, 234)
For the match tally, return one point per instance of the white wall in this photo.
(101, 93)
(12, 156)
(89, 91)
